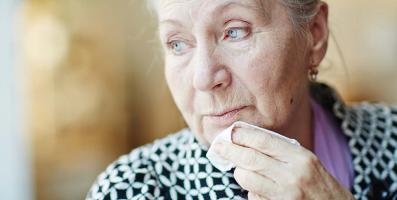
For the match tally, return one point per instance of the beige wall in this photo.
(95, 85)
(366, 32)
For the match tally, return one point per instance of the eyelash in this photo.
(172, 42)
(246, 29)
(225, 36)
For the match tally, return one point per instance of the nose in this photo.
(210, 72)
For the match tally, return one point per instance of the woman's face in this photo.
(229, 60)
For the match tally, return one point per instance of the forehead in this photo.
(193, 9)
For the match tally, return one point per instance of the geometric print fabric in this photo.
(372, 133)
(176, 167)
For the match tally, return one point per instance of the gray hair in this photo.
(300, 11)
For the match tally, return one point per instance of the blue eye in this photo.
(236, 33)
(177, 46)
(233, 33)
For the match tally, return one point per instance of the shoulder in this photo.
(367, 118)
(133, 175)
(371, 129)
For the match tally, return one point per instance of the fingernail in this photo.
(235, 135)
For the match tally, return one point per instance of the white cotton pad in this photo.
(226, 135)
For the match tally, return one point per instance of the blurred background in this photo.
(81, 82)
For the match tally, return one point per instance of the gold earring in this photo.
(313, 72)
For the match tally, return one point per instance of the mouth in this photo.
(225, 117)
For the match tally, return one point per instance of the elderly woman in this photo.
(256, 61)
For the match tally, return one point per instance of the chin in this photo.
(203, 139)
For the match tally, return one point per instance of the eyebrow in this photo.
(219, 9)
(226, 5)
(171, 21)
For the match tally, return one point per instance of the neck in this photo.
(300, 127)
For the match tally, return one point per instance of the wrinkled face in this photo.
(229, 60)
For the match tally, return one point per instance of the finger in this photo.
(250, 159)
(255, 183)
(264, 142)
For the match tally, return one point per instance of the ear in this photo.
(319, 32)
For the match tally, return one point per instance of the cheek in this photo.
(177, 81)
(263, 83)
(276, 64)
(259, 67)
(273, 75)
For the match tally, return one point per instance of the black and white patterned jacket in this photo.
(176, 167)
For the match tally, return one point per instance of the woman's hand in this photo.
(270, 168)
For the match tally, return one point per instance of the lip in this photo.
(225, 117)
